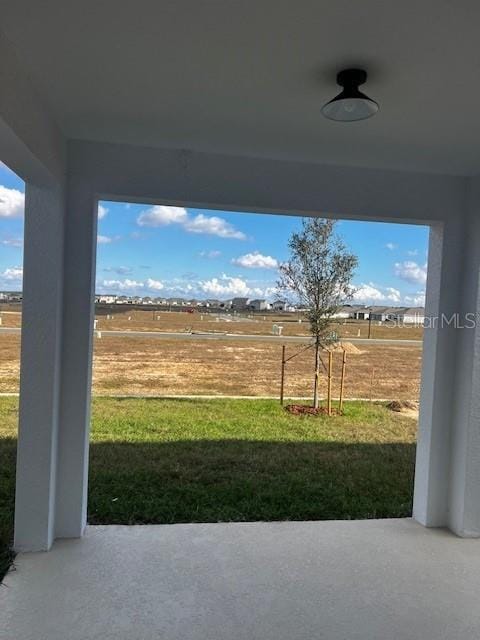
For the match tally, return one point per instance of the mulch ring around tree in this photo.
(303, 409)
(401, 405)
(405, 407)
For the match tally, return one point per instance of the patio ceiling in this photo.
(250, 78)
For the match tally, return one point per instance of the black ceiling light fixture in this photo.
(350, 104)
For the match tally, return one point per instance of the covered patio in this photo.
(216, 104)
(302, 580)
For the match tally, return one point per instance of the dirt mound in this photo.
(406, 407)
(302, 409)
(339, 347)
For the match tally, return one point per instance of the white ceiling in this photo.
(248, 77)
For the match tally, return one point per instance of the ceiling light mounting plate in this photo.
(351, 77)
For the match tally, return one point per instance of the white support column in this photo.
(40, 369)
(464, 488)
(430, 506)
(78, 303)
(447, 476)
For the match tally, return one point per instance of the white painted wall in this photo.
(263, 185)
(142, 174)
(52, 500)
(31, 143)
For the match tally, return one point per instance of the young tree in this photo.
(318, 274)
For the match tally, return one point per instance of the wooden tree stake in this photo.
(342, 382)
(283, 375)
(329, 393)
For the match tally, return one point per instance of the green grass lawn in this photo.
(165, 461)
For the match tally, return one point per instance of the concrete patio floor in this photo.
(376, 579)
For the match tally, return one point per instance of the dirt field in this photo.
(142, 366)
(9, 363)
(11, 318)
(258, 323)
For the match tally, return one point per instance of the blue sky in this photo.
(171, 251)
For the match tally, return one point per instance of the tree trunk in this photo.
(317, 373)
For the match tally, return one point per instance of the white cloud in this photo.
(411, 272)
(121, 271)
(214, 226)
(210, 254)
(12, 274)
(368, 293)
(391, 246)
(270, 292)
(162, 215)
(13, 242)
(416, 300)
(102, 211)
(256, 260)
(104, 239)
(156, 285)
(393, 295)
(221, 287)
(12, 203)
(225, 286)
(413, 252)
(122, 285)
(228, 286)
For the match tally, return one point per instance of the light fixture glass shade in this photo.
(350, 109)
(350, 104)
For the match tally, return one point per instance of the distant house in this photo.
(343, 312)
(147, 300)
(211, 302)
(239, 304)
(258, 305)
(402, 315)
(360, 312)
(106, 299)
(12, 296)
(176, 302)
(410, 315)
(279, 305)
(383, 314)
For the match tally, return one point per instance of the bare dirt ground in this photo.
(122, 318)
(141, 366)
(9, 362)
(257, 323)
(11, 318)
